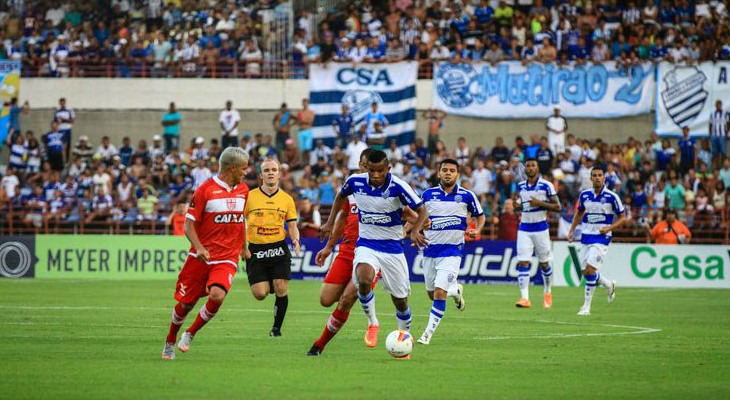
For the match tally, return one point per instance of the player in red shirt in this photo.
(338, 284)
(215, 227)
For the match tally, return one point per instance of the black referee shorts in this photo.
(268, 262)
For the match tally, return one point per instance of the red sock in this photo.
(178, 317)
(335, 322)
(207, 312)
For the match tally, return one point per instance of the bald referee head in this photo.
(270, 173)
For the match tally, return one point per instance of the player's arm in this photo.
(473, 233)
(326, 230)
(339, 229)
(616, 224)
(294, 236)
(192, 236)
(576, 220)
(245, 252)
(417, 237)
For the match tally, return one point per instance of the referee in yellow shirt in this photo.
(268, 263)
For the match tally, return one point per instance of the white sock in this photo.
(404, 319)
(547, 278)
(368, 306)
(590, 288)
(523, 279)
(602, 280)
(437, 313)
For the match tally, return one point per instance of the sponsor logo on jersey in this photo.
(444, 222)
(595, 218)
(228, 218)
(375, 219)
(262, 231)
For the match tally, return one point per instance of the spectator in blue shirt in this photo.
(171, 128)
(659, 51)
(483, 13)
(580, 53)
(56, 144)
(126, 151)
(14, 123)
(343, 126)
(687, 151)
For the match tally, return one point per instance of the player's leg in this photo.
(525, 248)
(329, 293)
(219, 281)
(544, 257)
(589, 274)
(446, 273)
(189, 288)
(367, 267)
(338, 276)
(281, 290)
(336, 320)
(602, 279)
(394, 271)
(258, 278)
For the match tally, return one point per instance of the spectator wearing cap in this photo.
(171, 121)
(199, 152)
(229, 119)
(83, 150)
(439, 52)
(157, 148)
(556, 126)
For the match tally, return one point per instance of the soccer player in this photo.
(216, 230)
(448, 206)
(600, 211)
(537, 196)
(268, 263)
(338, 284)
(381, 199)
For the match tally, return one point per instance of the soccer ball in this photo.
(399, 343)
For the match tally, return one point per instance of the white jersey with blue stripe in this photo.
(448, 213)
(534, 219)
(66, 114)
(380, 210)
(601, 210)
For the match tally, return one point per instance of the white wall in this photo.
(200, 94)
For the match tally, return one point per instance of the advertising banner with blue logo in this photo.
(392, 86)
(513, 90)
(686, 96)
(483, 262)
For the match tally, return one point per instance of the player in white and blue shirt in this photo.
(600, 211)
(448, 207)
(537, 196)
(381, 199)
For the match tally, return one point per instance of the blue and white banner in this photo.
(484, 261)
(686, 96)
(393, 86)
(513, 90)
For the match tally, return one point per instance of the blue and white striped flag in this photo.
(393, 86)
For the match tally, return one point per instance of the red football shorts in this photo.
(340, 272)
(197, 277)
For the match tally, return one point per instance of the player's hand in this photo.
(604, 230)
(325, 231)
(322, 256)
(203, 254)
(570, 236)
(245, 253)
(427, 224)
(472, 233)
(297, 248)
(535, 202)
(418, 239)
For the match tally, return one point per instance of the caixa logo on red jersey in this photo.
(236, 218)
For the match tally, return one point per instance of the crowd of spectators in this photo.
(153, 181)
(237, 37)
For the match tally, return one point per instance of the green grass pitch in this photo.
(85, 339)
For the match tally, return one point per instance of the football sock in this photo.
(334, 324)
(547, 278)
(602, 280)
(437, 313)
(178, 317)
(590, 288)
(207, 312)
(404, 319)
(368, 306)
(523, 278)
(280, 306)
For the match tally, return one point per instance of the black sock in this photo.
(280, 306)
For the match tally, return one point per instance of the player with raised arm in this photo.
(215, 227)
(600, 211)
(381, 199)
(537, 196)
(268, 263)
(448, 206)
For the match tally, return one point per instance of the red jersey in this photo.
(352, 231)
(217, 210)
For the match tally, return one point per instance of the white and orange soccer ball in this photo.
(399, 343)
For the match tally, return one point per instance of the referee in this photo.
(719, 125)
(268, 263)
